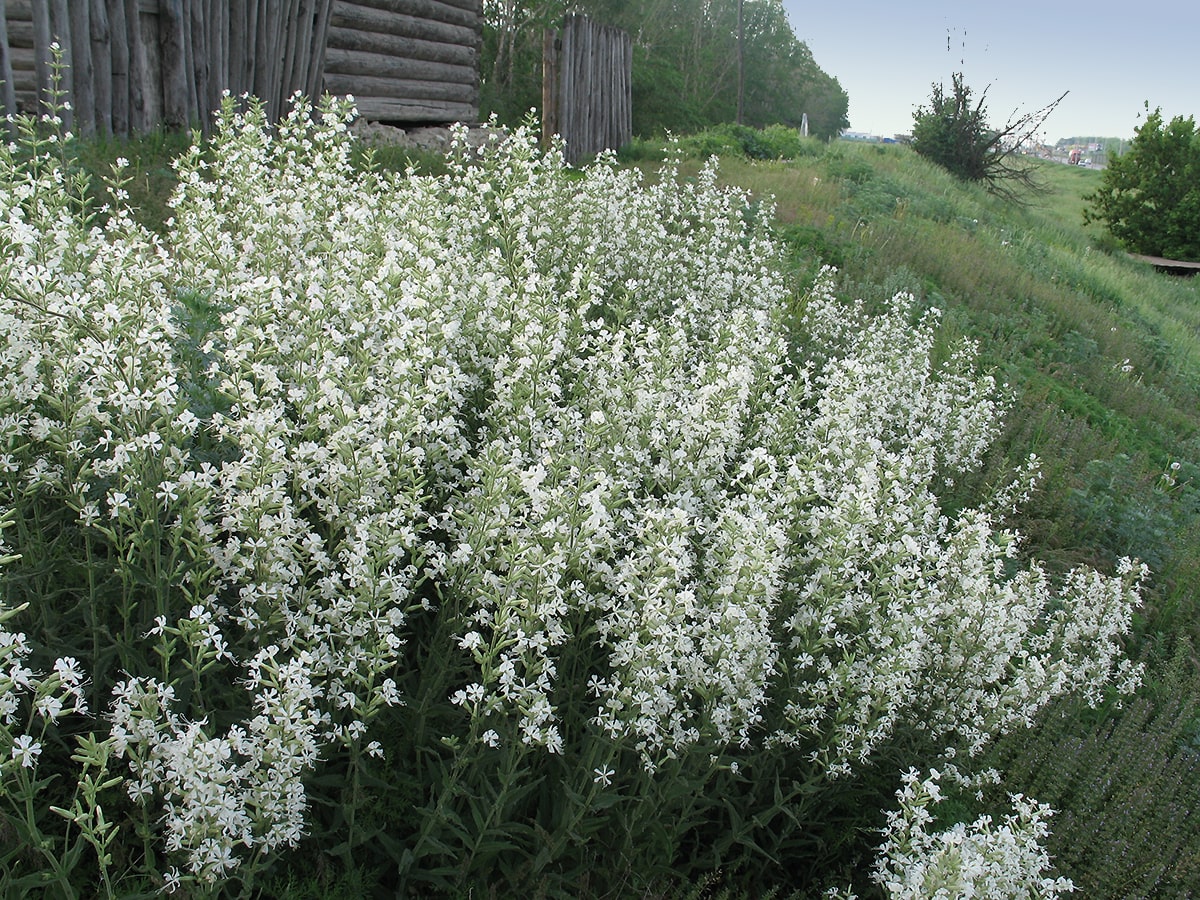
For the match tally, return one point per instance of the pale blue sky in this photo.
(1109, 56)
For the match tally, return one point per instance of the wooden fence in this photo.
(587, 87)
(131, 65)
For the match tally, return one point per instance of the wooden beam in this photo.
(399, 46)
(359, 18)
(353, 62)
(386, 109)
(399, 88)
(469, 15)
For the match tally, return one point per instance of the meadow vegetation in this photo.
(484, 526)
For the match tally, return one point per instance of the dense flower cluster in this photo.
(561, 411)
(982, 859)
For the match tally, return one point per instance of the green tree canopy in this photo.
(685, 72)
(1150, 197)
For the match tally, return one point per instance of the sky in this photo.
(1109, 57)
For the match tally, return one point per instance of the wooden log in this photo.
(83, 78)
(219, 41)
(469, 13)
(101, 40)
(550, 76)
(199, 63)
(295, 75)
(144, 92)
(388, 109)
(60, 33)
(260, 86)
(119, 63)
(353, 62)
(396, 45)
(8, 90)
(320, 41)
(173, 51)
(25, 85)
(358, 18)
(400, 89)
(240, 14)
(20, 33)
(40, 10)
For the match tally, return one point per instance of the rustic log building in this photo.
(132, 65)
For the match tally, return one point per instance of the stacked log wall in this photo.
(407, 61)
(133, 65)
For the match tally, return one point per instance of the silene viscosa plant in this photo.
(534, 446)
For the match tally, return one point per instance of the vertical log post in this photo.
(551, 57)
(119, 60)
(173, 45)
(8, 93)
(83, 77)
(102, 56)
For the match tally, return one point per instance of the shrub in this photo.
(1149, 198)
(485, 527)
(953, 131)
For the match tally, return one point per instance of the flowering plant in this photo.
(520, 465)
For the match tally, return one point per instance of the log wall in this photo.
(407, 60)
(587, 87)
(133, 65)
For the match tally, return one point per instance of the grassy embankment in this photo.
(1103, 357)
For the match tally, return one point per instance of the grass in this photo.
(1102, 354)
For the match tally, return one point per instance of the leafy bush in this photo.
(486, 528)
(1149, 198)
(772, 142)
(953, 131)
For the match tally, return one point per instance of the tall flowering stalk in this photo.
(529, 447)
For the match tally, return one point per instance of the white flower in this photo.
(26, 750)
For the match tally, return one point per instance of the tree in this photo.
(1150, 197)
(685, 63)
(953, 132)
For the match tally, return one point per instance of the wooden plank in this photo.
(387, 109)
(1160, 262)
(436, 10)
(401, 89)
(396, 45)
(353, 62)
(19, 11)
